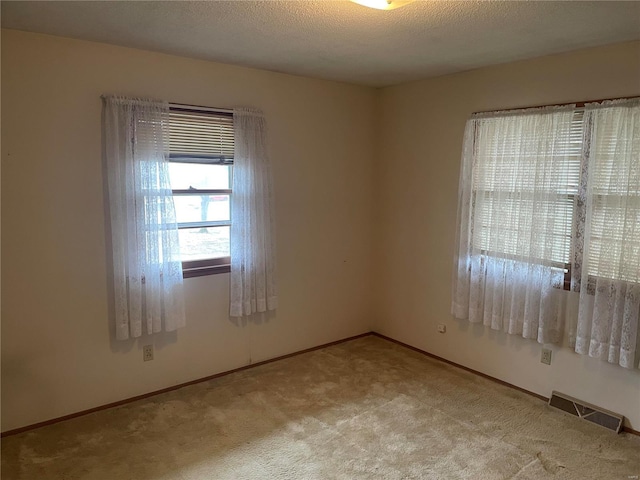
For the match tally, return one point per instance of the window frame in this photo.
(213, 265)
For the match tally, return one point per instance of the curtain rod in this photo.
(577, 104)
(179, 105)
(201, 108)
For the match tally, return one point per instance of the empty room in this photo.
(368, 239)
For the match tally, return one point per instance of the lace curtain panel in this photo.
(519, 170)
(147, 271)
(610, 272)
(551, 197)
(253, 264)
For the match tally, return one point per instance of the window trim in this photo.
(214, 265)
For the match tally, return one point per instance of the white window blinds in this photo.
(614, 193)
(201, 136)
(525, 179)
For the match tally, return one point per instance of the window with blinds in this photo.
(200, 137)
(613, 237)
(615, 204)
(201, 149)
(516, 174)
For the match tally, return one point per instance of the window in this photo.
(517, 174)
(201, 148)
(507, 174)
(547, 190)
(615, 199)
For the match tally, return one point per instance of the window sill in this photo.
(201, 272)
(200, 268)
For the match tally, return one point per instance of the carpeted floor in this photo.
(364, 409)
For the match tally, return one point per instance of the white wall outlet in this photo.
(442, 328)
(147, 353)
(545, 357)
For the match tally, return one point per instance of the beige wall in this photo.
(57, 357)
(420, 131)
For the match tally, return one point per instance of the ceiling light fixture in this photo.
(382, 4)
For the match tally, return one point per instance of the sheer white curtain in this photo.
(610, 273)
(146, 261)
(253, 263)
(519, 170)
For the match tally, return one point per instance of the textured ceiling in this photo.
(339, 40)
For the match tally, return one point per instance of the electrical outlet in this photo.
(545, 357)
(442, 328)
(147, 353)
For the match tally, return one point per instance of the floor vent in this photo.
(585, 411)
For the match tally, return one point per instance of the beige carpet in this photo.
(362, 409)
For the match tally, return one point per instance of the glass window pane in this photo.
(203, 243)
(201, 176)
(201, 208)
